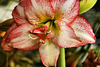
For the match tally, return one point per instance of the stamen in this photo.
(32, 37)
(42, 40)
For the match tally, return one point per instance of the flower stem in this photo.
(61, 61)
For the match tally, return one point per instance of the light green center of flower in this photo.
(51, 24)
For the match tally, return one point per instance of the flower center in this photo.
(44, 30)
(49, 20)
(50, 23)
(40, 32)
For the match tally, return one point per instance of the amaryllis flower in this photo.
(47, 25)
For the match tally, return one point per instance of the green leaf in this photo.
(85, 5)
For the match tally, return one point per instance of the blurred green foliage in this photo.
(5, 2)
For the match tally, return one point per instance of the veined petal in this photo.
(4, 43)
(49, 53)
(38, 10)
(66, 5)
(71, 16)
(24, 42)
(66, 10)
(57, 4)
(83, 30)
(66, 37)
(20, 1)
(21, 38)
(19, 15)
(20, 30)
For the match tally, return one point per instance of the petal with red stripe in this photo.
(19, 15)
(21, 38)
(83, 30)
(4, 43)
(69, 17)
(49, 53)
(38, 10)
(65, 37)
(66, 5)
(66, 10)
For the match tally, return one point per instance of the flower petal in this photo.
(21, 38)
(37, 10)
(66, 5)
(49, 53)
(19, 15)
(4, 43)
(65, 37)
(25, 42)
(66, 10)
(83, 30)
(69, 17)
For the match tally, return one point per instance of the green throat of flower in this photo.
(51, 24)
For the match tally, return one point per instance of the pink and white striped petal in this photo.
(83, 30)
(69, 17)
(21, 30)
(38, 10)
(49, 53)
(4, 43)
(21, 38)
(65, 5)
(19, 15)
(66, 37)
(66, 10)
(25, 42)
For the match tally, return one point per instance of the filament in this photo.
(32, 37)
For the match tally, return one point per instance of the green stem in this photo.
(61, 61)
